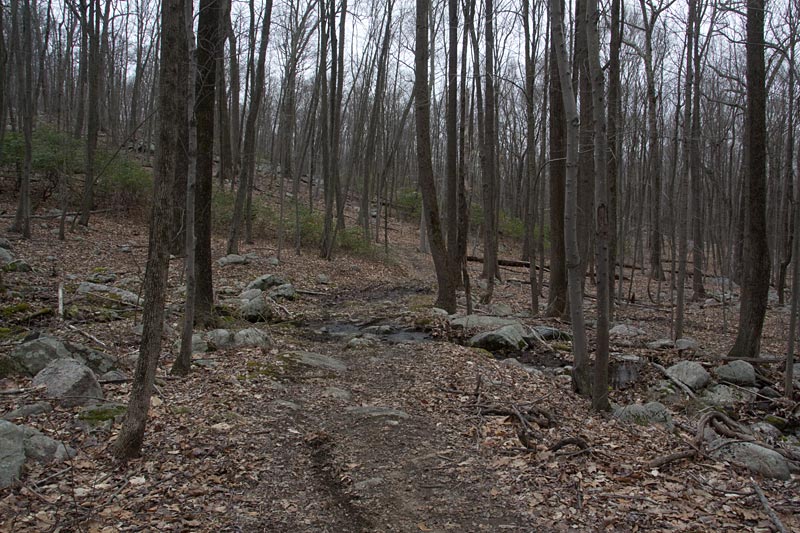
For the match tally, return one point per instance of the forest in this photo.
(431, 265)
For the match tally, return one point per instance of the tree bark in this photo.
(208, 47)
(600, 385)
(446, 295)
(580, 373)
(129, 441)
(756, 260)
(557, 295)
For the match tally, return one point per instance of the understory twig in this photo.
(773, 516)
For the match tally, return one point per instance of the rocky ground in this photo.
(332, 397)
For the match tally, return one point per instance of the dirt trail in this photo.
(372, 472)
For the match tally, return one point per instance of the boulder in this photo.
(31, 409)
(70, 382)
(645, 414)
(738, 373)
(5, 244)
(502, 309)
(285, 291)
(256, 310)
(249, 294)
(337, 393)
(199, 345)
(548, 333)
(99, 362)
(102, 277)
(764, 461)
(373, 411)
(12, 453)
(624, 370)
(43, 449)
(267, 281)
(219, 339)
(725, 396)
(18, 265)
(480, 321)
(690, 373)
(323, 279)
(512, 362)
(767, 430)
(364, 341)
(6, 257)
(661, 344)
(252, 337)
(686, 344)
(114, 293)
(315, 360)
(507, 338)
(273, 261)
(232, 259)
(31, 357)
(113, 376)
(380, 329)
(626, 330)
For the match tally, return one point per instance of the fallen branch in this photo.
(755, 360)
(311, 293)
(87, 335)
(505, 262)
(570, 441)
(677, 456)
(773, 516)
(685, 388)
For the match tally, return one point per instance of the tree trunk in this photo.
(129, 441)
(601, 223)
(247, 170)
(557, 295)
(93, 113)
(614, 143)
(490, 214)
(208, 46)
(24, 66)
(580, 372)
(530, 161)
(183, 362)
(446, 296)
(683, 187)
(756, 261)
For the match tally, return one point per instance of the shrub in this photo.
(351, 240)
(53, 151)
(511, 227)
(409, 203)
(122, 181)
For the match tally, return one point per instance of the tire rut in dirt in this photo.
(331, 482)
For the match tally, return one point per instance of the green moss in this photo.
(7, 367)
(102, 413)
(420, 302)
(14, 309)
(483, 353)
(562, 346)
(180, 410)
(99, 270)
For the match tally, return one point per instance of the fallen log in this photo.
(506, 262)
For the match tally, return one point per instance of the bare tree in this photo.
(601, 222)
(446, 295)
(23, 40)
(580, 372)
(247, 170)
(129, 441)
(756, 260)
(557, 295)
